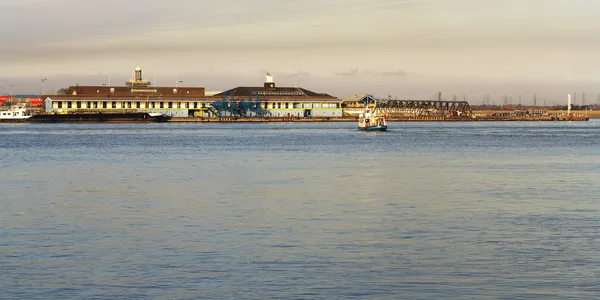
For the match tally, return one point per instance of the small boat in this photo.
(370, 120)
(14, 115)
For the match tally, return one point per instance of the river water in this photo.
(300, 211)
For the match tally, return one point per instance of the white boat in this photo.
(14, 115)
(370, 120)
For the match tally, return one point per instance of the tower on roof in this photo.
(269, 83)
(138, 80)
(138, 74)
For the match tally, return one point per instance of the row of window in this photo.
(128, 104)
(287, 105)
(135, 91)
(295, 93)
(175, 105)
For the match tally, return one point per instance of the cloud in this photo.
(357, 72)
(459, 38)
(352, 72)
(298, 74)
(397, 73)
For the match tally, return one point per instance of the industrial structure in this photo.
(230, 107)
(354, 104)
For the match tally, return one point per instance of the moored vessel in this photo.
(99, 117)
(15, 115)
(22, 115)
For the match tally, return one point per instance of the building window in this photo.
(69, 104)
(162, 105)
(78, 104)
(59, 104)
(89, 104)
(287, 105)
(114, 104)
(104, 104)
(170, 105)
(138, 105)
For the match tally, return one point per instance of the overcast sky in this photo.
(379, 46)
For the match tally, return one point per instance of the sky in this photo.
(404, 48)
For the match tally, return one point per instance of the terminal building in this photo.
(138, 94)
(287, 101)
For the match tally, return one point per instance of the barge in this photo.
(21, 115)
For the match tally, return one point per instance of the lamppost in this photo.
(11, 97)
(44, 86)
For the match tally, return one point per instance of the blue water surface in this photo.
(300, 211)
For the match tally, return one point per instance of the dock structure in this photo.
(231, 107)
(354, 105)
(425, 107)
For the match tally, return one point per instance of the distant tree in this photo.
(63, 91)
(573, 107)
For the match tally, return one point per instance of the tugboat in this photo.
(369, 120)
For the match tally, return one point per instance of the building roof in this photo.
(129, 98)
(128, 91)
(358, 98)
(245, 91)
